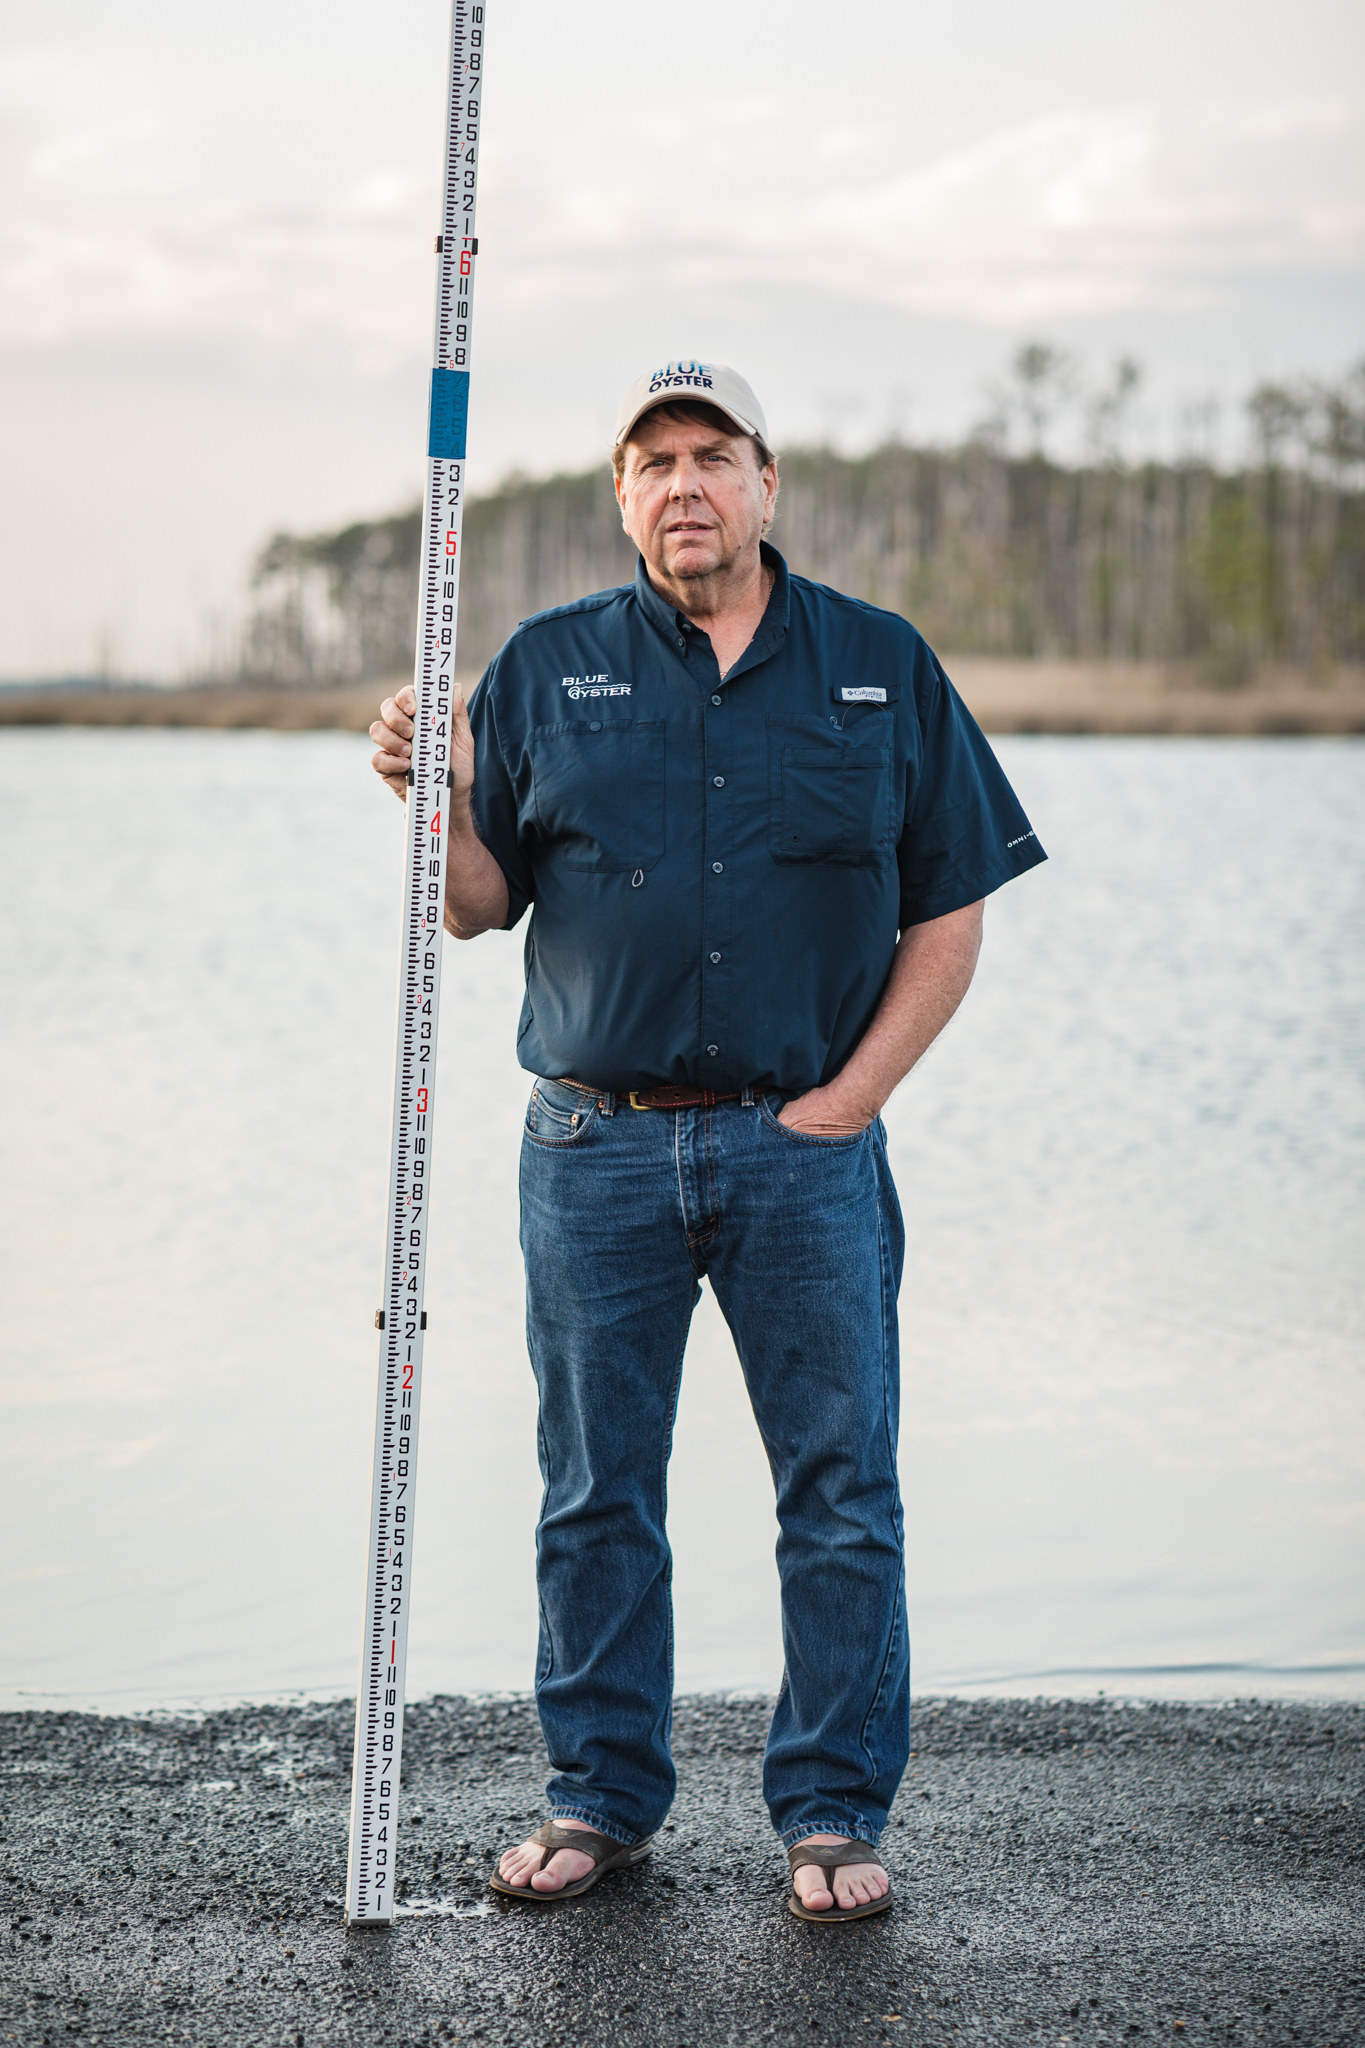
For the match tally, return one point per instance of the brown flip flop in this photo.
(832, 1856)
(606, 1855)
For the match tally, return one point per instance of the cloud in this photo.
(108, 228)
(1076, 211)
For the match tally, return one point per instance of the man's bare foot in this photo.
(522, 1866)
(855, 1884)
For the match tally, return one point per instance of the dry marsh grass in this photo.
(1005, 696)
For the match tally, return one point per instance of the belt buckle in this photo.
(635, 1101)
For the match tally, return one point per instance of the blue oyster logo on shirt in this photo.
(594, 686)
(678, 376)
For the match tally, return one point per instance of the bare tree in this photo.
(1044, 379)
(1107, 410)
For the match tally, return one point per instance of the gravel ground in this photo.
(1076, 1873)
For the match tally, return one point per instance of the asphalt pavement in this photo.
(1072, 1873)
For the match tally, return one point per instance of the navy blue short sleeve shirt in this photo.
(719, 869)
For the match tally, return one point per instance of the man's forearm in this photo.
(476, 889)
(930, 974)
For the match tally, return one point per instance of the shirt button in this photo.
(716, 698)
(718, 781)
(712, 1051)
(596, 725)
(718, 867)
(681, 641)
(715, 959)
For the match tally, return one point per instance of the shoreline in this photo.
(1057, 697)
(1080, 1872)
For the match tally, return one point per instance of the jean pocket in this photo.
(558, 1115)
(768, 1107)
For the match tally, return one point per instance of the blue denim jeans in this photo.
(801, 1238)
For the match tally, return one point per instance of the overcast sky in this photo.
(216, 223)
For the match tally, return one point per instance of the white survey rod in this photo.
(371, 1872)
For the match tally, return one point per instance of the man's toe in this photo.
(561, 1869)
(851, 1891)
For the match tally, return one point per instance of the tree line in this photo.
(996, 547)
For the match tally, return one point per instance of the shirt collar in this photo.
(772, 627)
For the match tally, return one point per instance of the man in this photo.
(755, 826)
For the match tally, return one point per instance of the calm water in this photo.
(1133, 1329)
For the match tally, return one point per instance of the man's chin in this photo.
(688, 563)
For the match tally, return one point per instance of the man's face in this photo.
(692, 499)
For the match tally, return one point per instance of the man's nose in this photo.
(686, 482)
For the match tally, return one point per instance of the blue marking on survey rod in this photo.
(449, 415)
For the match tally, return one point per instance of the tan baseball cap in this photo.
(712, 383)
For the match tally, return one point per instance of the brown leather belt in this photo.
(678, 1097)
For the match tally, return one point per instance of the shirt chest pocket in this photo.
(599, 792)
(829, 798)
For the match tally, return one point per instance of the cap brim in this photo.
(685, 398)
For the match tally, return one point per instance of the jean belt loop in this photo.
(607, 1103)
(746, 1100)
